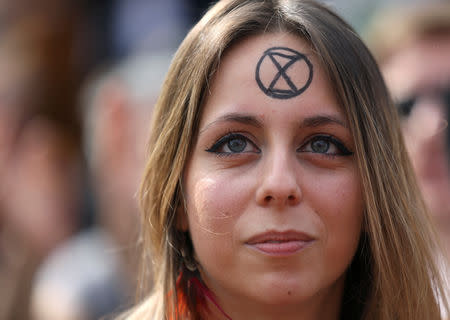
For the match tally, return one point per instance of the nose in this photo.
(427, 119)
(425, 134)
(278, 185)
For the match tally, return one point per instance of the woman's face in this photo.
(274, 203)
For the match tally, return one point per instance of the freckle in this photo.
(289, 293)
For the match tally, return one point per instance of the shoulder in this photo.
(150, 308)
(76, 271)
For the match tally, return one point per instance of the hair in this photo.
(140, 74)
(41, 80)
(393, 274)
(394, 27)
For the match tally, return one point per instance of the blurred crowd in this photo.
(77, 83)
(78, 80)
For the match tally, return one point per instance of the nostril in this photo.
(291, 197)
(268, 198)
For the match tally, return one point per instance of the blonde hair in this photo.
(393, 274)
(395, 27)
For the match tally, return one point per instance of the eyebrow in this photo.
(235, 117)
(309, 122)
(321, 120)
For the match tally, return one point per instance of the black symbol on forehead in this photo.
(281, 86)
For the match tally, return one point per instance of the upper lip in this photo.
(280, 236)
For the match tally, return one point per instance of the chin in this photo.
(283, 290)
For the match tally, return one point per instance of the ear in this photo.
(111, 119)
(182, 222)
(114, 107)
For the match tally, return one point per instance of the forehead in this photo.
(421, 65)
(273, 71)
(269, 56)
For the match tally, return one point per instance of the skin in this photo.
(276, 182)
(418, 69)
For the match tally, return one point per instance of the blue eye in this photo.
(236, 144)
(233, 143)
(327, 145)
(320, 146)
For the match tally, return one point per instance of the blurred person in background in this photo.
(94, 273)
(40, 199)
(45, 47)
(412, 45)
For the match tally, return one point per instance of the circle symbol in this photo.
(282, 86)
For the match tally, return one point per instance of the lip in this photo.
(280, 243)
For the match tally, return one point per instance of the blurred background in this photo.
(78, 80)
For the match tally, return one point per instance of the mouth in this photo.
(276, 243)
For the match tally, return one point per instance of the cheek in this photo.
(214, 204)
(342, 192)
(345, 222)
(341, 214)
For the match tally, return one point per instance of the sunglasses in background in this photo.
(442, 95)
(406, 105)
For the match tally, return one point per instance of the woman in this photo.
(278, 185)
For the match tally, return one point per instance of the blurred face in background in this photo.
(40, 188)
(418, 76)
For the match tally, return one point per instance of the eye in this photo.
(327, 145)
(233, 143)
(405, 106)
(320, 146)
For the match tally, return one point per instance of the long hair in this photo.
(393, 274)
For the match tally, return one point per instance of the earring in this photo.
(186, 251)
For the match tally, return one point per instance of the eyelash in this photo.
(226, 139)
(342, 150)
(220, 143)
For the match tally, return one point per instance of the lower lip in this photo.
(280, 248)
